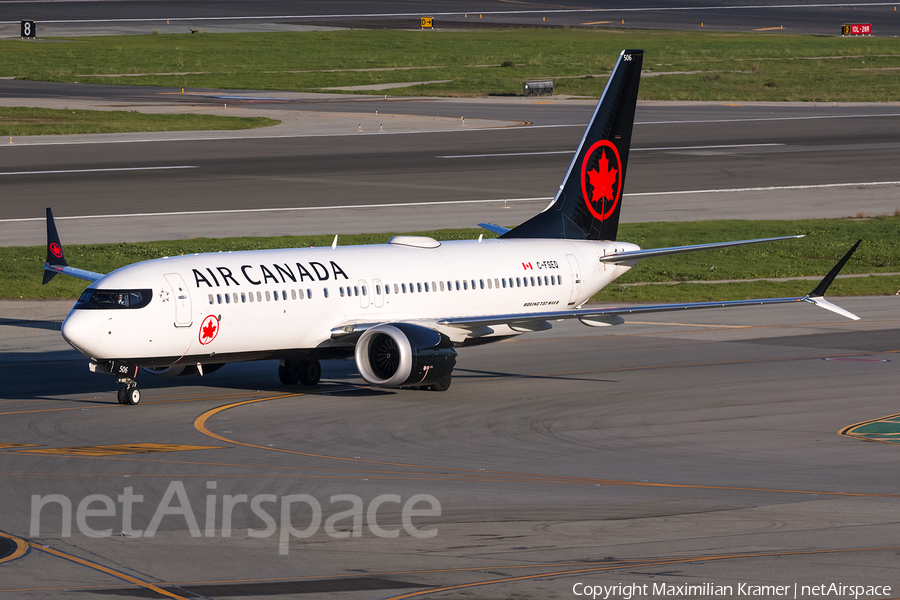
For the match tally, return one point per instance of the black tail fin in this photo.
(55, 256)
(587, 205)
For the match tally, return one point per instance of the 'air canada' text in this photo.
(265, 274)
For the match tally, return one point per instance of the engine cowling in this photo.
(401, 354)
(188, 370)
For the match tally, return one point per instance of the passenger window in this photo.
(532, 281)
(559, 279)
(465, 284)
(309, 293)
(480, 281)
(325, 292)
(434, 286)
(211, 299)
(268, 296)
(259, 296)
(377, 289)
(404, 288)
(504, 281)
(341, 290)
(546, 280)
(489, 284)
(442, 286)
(426, 286)
(397, 290)
(218, 298)
(496, 282)
(251, 296)
(243, 297)
(457, 285)
(300, 293)
(227, 299)
(539, 280)
(419, 287)
(284, 294)
(293, 294)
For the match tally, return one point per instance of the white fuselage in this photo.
(277, 300)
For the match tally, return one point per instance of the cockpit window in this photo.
(92, 298)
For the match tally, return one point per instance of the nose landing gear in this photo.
(128, 392)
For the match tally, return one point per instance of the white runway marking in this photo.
(98, 170)
(769, 188)
(288, 209)
(449, 202)
(633, 150)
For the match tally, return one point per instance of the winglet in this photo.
(823, 285)
(55, 258)
(817, 295)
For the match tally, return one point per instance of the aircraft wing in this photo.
(619, 257)
(613, 316)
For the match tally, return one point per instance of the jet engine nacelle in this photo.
(184, 370)
(401, 354)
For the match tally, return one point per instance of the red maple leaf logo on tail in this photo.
(602, 180)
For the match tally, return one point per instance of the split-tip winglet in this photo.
(817, 296)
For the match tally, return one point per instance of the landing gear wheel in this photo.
(129, 395)
(310, 372)
(443, 385)
(288, 373)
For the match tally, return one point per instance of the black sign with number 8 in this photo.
(28, 29)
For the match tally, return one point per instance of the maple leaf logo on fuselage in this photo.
(209, 329)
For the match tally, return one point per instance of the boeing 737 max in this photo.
(399, 308)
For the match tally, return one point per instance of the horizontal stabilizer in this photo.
(495, 228)
(619, 257)
(50, 271)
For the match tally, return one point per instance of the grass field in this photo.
(826, 242)
(18, 121)
(702, 66)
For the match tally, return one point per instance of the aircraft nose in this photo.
(82, 330)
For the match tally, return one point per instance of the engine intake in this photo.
(401, 354)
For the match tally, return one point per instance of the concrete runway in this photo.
(317, 173)
(106, 17)
(685, 449)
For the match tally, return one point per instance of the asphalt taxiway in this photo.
(678, 449)
(340, 165)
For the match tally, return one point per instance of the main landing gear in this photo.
(128, 392)
(305, 372)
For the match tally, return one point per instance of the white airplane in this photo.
(399, 308)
